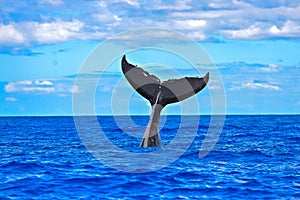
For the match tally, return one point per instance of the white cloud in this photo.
(74, 89)
(11, 99)
(254, 31)
(240, 20)
(143, 36)
(221, 4)
(289, 29)
(250, 13)
(40, 86)
(199, 35)
(255, 85)
(211, 14)
(57, 31)
(117, 21)
(106, 17)
(26, 82)
(26, 86)
(134, 3)
(177, 5)
(251, 20)
(52, 2)
(64, 89)
(103, 18)
(10, 35)
(189, 24)
(240, 3)
(41, 32)
(38, 89)
(262, 30)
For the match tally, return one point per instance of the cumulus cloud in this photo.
(10, 35)
(40, 87)
(50, 32)
(106, 17)
(288, 29)
(63, 88)
(204, 20)
(56, 31)
(256, 85)
(189, 24)
(27, 86)
(40, 32)
(254, 31)
(110, 20)
(263, 30)
(241, 20)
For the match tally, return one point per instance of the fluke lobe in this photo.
(159, 94)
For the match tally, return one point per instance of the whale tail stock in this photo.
(159, 94)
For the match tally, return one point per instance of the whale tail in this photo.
(159, 94)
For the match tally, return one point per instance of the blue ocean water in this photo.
(256, 157)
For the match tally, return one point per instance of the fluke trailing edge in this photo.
(160, 93)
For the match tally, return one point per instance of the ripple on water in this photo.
(43, 158)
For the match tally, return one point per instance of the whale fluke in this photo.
(160, 94)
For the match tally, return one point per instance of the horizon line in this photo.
(145, 115)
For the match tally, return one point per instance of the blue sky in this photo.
(254, 44)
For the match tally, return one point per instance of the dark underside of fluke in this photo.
(159, 94)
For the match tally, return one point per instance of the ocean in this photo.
(256, 157)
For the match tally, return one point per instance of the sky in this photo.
(254, 45)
